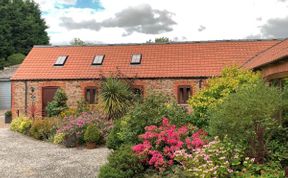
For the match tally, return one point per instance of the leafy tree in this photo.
(247, 117)
(162, 40)
(15, 59)
(21, 27)
(159, 40)
(217, 89)
(58, 104)
(77, 42)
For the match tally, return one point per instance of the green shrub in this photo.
(43, 129)
(58, 138)
(16, 58)
(217, 89)
(247, 117)
(108, 171)
(149, 112)
(267, 170)
(122, 163)
(21, 124)
(8, 114)
(68, 112)
(92, 134)
(115, 96)
(58, 104)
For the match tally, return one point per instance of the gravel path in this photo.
(22, 156)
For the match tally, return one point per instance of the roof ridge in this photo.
(263, 51)
(172, 42)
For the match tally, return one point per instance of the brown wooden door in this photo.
(47, 96)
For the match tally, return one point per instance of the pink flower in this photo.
(159, 144)
(150, 128)
(165, 122)
(197, 143)
(156, 159)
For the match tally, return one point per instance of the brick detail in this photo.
(75, 91)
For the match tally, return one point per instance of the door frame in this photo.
(42, 89)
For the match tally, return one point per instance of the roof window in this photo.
(98, 60)
(136, 59)
(61, 61)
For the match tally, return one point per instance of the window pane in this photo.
(184, 94)
(98, 60)
(136, 59)
(91, 95)
(87, 97)
(60, 60)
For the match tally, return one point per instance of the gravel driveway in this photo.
(22, 156)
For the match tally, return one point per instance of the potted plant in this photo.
(8, 117)
(92, 136)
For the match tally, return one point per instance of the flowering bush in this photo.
(74, 127)
(160, 143)
(21, 124)
(155, 106)
(216, 159)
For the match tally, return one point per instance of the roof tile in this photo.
(202, 59)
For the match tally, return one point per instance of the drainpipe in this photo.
(26, 96)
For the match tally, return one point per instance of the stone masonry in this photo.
(75, 91)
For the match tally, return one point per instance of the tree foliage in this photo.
(219, 88)
(21, 27)
(160, 40)
(247, 117)
(77, 42)
(16, 58)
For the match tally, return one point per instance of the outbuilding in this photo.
(5, 86)
(177, 69)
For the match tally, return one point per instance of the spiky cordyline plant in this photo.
(115, 96)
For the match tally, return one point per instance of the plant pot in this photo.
(90, 145)
(70, 141)
(8, 119)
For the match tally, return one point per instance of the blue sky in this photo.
(130, 21)
(93, 4)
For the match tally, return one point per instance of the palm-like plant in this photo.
(115, 96)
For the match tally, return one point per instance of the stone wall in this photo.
(75, 91)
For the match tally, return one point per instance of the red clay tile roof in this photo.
(190, 59)
(274, 53)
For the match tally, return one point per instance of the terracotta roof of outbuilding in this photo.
(173, 60)
(274, 53)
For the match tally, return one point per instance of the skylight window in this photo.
(98, 60)
(136, 59)
(60, 61)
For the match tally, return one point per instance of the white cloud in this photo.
(69, 2)
(222, 19)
